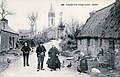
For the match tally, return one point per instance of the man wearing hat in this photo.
(25, 49)
(40, 50)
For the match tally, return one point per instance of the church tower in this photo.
(51, 17)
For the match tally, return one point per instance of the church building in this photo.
(52, 29)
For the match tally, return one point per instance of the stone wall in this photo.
(82, 45)
(5, 40)
(94, 46)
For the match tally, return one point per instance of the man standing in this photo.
(25, 49)
(40, 55)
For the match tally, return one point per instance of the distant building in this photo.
(24, 33)
(8, 37)
(51, 31)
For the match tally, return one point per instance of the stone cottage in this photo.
(8, 37)
(101, 30)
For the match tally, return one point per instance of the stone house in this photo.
(24, 33)
(8, 37)
(100, 30)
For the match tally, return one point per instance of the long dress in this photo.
(53, 62)
(83, 66)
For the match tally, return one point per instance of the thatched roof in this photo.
(112, 23)
(96, 24)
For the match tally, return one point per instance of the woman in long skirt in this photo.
(53, 60)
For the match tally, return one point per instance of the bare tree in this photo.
(33, 17)
(73, 26)
(3, 10)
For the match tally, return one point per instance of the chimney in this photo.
(4, 23)
(92, 13)
(5, 20)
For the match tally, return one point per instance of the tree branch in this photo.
(3, 11)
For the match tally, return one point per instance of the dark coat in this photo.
(53, 52)
(40, 51)
(25, 49)
(54, 61)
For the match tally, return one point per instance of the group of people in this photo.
(53, 61)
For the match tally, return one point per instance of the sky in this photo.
(79, 11)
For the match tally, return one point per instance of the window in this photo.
(3, 25)
(0, 40)
(10, 41)
(80, 42)
(88, 42)
(100, 42)
(13, 41)
(111, 44)
(52, 21)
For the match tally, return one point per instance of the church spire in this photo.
(51, 17)
(51, 8)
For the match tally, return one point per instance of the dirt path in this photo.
(16, 69)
